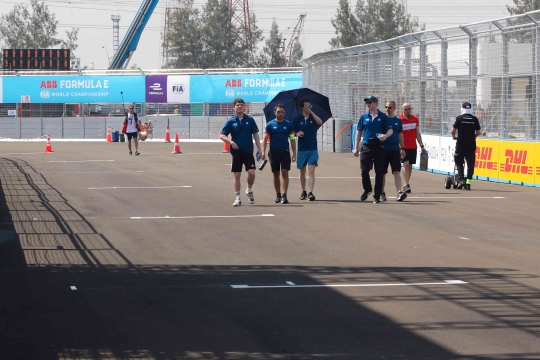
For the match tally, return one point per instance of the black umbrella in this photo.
(291, 100)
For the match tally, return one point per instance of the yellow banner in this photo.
(517, 161)
(537, 163)
(487, 159)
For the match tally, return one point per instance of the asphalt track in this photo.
(110, 256)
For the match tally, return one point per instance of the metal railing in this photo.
(494, 65)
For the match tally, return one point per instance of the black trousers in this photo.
(465, 155)
(372, 155)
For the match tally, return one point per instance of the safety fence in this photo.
(494, 65)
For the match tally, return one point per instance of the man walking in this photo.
(411, 134)
(374, 124)
(468, 128)
(306, 127)
(243, 130)
(393, 150)
(133, 126)
(280, 132)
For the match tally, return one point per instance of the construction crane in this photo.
(133, 35)
(295, 38)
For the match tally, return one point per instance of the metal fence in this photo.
(494, 65)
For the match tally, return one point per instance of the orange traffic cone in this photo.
(176, 149)
(48, 147)
(167, 135)
(109, 135)
(226, 148)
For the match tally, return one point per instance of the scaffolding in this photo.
(494, 65)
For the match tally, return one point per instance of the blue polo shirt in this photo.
(241, 131)
(309, 126)
(373, 125)
(392, 143)
(279, 134)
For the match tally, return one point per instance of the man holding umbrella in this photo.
(306, 126)
(280, 132)
(376, 128)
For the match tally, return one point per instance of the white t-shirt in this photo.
(131, 124)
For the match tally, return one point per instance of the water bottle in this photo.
(379, 135)
(424, 157)
(258, 156)
(263, 164)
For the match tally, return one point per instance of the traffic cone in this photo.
(176, 149)
(48, 147)
(167, 135)
(226, 147)
(109, 135)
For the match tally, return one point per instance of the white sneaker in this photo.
(237, 202)
(249, 194)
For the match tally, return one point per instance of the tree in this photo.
(523, 6)
(33, 29)
(373, 20)
(297, 54)
(273, 48)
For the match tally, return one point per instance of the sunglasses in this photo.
(131, 108)
(280, 112)
(388, 107)
(407, 109)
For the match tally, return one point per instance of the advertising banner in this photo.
(250, 87)
(516, 161)
(178, 89)
(1, 95)
(74, 89)
(432, 144)
(156, 88)
(486, 163)
(537, 164)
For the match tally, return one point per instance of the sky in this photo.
(93, 18)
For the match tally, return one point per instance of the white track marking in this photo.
(73, 287)
(80, 161)
(290, 283)
(138, 187)
(464, 238)
(198, 217)
(450, 197)
(446, 282)
(32, 153)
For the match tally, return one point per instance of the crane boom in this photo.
(133, 35)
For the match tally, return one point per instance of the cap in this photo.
(466, 105)
(371, 98)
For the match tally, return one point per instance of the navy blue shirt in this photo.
(241, 131)
(309, 126)
(392, 143)
(371, 126)
(279, 134)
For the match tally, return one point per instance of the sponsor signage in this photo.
(487, 159)
(74, 89)
(156, 88)
(178, 89)
(516, 161)
(250, 87)
(537, 163)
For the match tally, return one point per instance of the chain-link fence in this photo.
(494, 65)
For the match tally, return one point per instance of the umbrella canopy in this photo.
(291, 100)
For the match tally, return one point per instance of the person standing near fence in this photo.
(306, 126)
(133, 126)
(468, 128)
(411, 134)
(393, 151)
(280, 132)
(243, 130)
(374, 124)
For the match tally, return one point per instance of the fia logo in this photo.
(178, 88)
(45, 94)
(229, 93)
(155, 87)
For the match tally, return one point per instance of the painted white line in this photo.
(73, 287)
(205, 153)
(31, 153)
(446, 282)
(454, 197)
(290, 283)
(80, 161)
(198, 217)
(102, 172)
(333, 177)
(138, 187)
(464, 238)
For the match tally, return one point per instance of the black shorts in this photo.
(410, 156)
(241, 157)
(280, 160)
(132, 135)
(392, 158)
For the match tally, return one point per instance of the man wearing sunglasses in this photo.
(376, 128)
(133, 126)
(393, 151)
(411, 134)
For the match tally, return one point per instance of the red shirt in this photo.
(409, 131)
